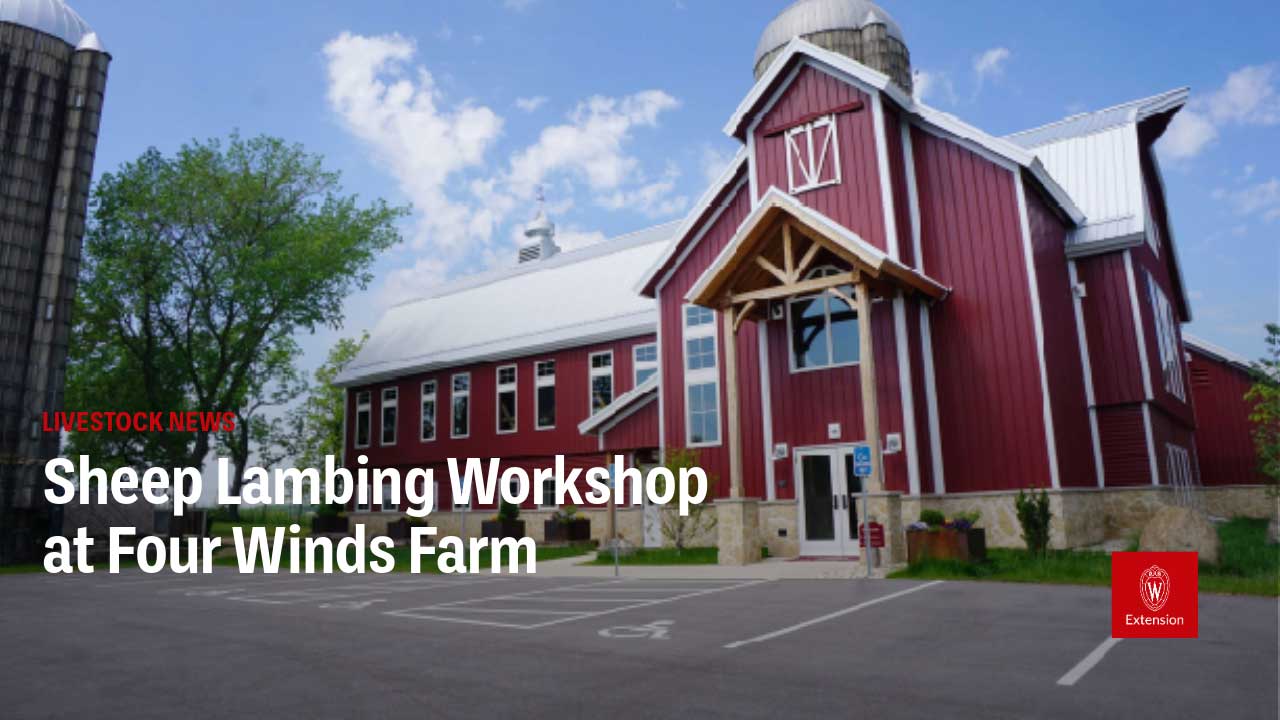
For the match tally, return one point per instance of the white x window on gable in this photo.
(813, 155)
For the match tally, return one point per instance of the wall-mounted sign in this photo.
(780, 451)
(892, 443)
(833, 431)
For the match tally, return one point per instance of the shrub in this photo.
(1034, 516)
(933, 518)
(508, 511)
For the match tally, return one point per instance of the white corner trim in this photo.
(913, 197)
(1151, 444)
(697, 238)
(1033, 287)
(908, 394)
(766, 407)
(886, 181)
(931, 401)
(1086, 366)
(1139, 331)
(662, 385)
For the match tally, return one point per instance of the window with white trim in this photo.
(460, 402)
(428, 431)
(644, 358)
(823, 328)
(548, 493)
(390, 414)
(388, 499)
(506, 399)
(544, 398)
(600, 369)
(701, 378)
(461, 503)
(1178, 461)
(813, 155)
(364, 418)
(1167, 339)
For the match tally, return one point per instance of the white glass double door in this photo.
(827, 493)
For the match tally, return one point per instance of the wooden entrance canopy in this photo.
(770, 259)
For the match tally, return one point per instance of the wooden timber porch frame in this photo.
(767, 261)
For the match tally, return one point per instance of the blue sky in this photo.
(462, 108)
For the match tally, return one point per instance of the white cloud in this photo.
(991, 63)
(713, 160)
(926, 84)
(1187, 135)
(590, 145)
(400, 113)
(1260, 200)
(1248, 97)
(530, 104)
(438, 150)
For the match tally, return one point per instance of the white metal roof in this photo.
(52, 17)
(1096, 158)
(575, 298)
(621, 407)
(1216, 351)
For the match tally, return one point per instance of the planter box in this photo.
(575, 531)
(330, 524)
(964, 545)
(502, 529)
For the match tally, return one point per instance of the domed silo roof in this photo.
(859, 29)
(51, 17)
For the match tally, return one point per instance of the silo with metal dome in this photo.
(53, 74)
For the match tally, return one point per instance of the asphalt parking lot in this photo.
(344, 646)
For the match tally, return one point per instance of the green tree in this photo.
(680, 530)
(314, 428)
(198, 265)
(1264, 397)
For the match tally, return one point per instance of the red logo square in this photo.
(1155, 595)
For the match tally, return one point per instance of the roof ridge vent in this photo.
(540, 234)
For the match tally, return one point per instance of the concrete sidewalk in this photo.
(770, 569)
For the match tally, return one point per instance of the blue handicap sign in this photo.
(862, 460)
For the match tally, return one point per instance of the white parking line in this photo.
(830, 616)
(350, 592)
(469, 605)
(1074, 674)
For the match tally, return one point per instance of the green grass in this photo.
(1249, 566)
(661, 556)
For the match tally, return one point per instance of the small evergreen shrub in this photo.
(933, 518)
(1034, 516)
(508, 511)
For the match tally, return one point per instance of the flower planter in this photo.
(502, 529)
(330, 524)
(947, 544)
(574, 531)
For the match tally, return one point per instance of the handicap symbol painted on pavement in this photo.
(350, 604)
(656, 630)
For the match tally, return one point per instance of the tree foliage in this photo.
(314, 427)
(1264, 398)
(197, 267)
(681, 530)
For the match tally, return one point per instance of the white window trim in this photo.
(461, 506)
(592, 373)
(1166, 340)
(1178, 460)
(637, 364)
(364, 404)
(453, 397)
(386, 495)
(830, 152)
(827, 298)
(394, 403)
(540, 381)
(499, 388)
(423, 398)
(701, 376)
(548, 499)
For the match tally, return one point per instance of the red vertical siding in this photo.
(637, 430)
(714, 459)
(1124, 445)
(898, 185)
(928, 484)
(1069, 405)
(987, 372)
(1108, 320)
(856, 201)
(1224, 443)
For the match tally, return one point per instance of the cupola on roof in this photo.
(51, 17)
(856, 28)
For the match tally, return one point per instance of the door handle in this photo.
(835, 502)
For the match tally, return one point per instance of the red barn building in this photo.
(986, 313)
(1224, 440)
